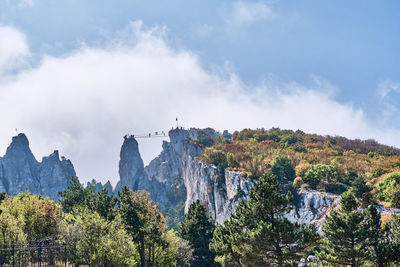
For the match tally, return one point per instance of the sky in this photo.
(77, 75)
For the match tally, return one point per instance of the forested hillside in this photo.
(99, 227)
(324, 163)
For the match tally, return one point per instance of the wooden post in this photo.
(40, 256)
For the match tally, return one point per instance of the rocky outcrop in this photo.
(20, 171)
(54, 174)
(177, 169)
(98, 186)
(131, 168)
(311, 207)
(178, 176)
(221, 190)
(163, 176)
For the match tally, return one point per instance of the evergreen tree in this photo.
(197, 229)
(105, 203)
(382, 250)
(257, 234)
(395, 230)
(282, 167)
(346, 234)
(228, 238)
(272, 239)
(143, 221)
(76, 195)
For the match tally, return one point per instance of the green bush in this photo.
(319, 172)
(204, 139)
(289, 140)
(389, 189)
(214, 156)
(282, 167)
(378, 172)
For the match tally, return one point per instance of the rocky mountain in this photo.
(163, 177)
(177, 177)
(20, 171)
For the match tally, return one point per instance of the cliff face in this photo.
(20, 171)
(219, 189)
(176, 178)
(163, 176)
(177, 170)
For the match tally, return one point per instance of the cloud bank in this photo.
(84, 102)
(14, 49)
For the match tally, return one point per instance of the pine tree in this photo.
(76, 195)
(346, 234)
(105, 204)
(228, 238)
(197, 229)
(273, 239)
(257, 234)
(282, 167)
(382, 249)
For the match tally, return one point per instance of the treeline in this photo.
(330, 164)
(100, 229)
(258, 235)
(97, 228)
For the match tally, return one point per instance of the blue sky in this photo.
(344, 52)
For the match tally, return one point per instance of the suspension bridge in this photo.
(156, 134)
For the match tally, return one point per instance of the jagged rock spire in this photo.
(20, 171)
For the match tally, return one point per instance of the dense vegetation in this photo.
(324, 163)
(257, 234)
(100, 229)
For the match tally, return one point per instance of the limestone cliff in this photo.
(219, 189)
(178, 176)
(20, 171)
(163, 177)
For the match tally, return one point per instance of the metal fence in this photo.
(39, 256)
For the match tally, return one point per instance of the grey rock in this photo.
(131, 168)
(221, 190)
(163, 177)
(98, 186)
(20, 171)
(177, 169)
(312, 206)
(54, 174)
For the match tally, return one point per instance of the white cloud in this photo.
(245, 13)
(388, 86)
(83, 103)
(26, 3)
(14, 49)
(388, 92)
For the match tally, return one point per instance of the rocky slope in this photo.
(177, 170)
(178, 176)
(222, 190)
(20, 171)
